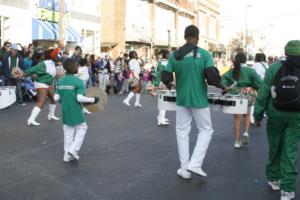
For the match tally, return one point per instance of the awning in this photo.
(44, 30)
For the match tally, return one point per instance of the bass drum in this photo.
(7, 96)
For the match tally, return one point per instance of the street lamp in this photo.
(246, 27)
(169, 39)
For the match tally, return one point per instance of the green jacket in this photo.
(248, 78)
(264, 99)
(162, 65)
(44, 71)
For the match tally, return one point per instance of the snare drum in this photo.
(235, 104)
(230, 104)
(166, 100)
(7, 96)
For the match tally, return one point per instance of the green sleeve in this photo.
(80, 89)
(170, 66)
(226, 79)
(263, 97)
(256, 81)
(208, 62)
(35, 69)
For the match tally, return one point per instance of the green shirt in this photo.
(68, 88)
(161, 66)
(191, 88)
(44, 71)
(264, 99)
(13, 62)
(248, 78)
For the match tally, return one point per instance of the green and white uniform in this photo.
(68, 88)
(191, 100)
(283, 130)
(248, 78)
(191, 89)
(161, 66)
(45, 73)
(70, 92)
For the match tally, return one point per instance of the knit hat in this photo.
(292, 48)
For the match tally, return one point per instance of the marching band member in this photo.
(70, 92)
(244, 77)
(283, 126)
(135, 70)
(161, 66)
(192, 65)
(45, 73)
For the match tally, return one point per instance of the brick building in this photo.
(149, 25)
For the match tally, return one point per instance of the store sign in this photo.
(53, 5)
(48, 10)
(48, 15)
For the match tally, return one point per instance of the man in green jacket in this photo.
(283, 129)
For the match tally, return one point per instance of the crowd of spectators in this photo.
(110, 74)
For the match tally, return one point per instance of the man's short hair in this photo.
(191, 31)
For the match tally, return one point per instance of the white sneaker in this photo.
(197, 171)
(237, 144)
(52, 117)
(32, 123)
(162, 123)
(287, 195)
(275, 185)
(74, 154)
(184, 174)
(126, 102)
(245, 139)
(67, 157)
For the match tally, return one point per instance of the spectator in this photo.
(77, 54)
(11, 61)
(4, 50)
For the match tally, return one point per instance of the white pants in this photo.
(103, 81)
(184, 118)
(74, 136)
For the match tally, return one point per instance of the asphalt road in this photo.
(125, 156)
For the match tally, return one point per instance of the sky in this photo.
(279, 20)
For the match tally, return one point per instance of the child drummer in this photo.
(70, 92)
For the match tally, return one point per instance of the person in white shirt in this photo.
(135, 70)
(260, 66)
(83, 74)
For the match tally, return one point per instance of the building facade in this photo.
(149, 25)
(27, 21)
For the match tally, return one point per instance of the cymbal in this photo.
(100, 105)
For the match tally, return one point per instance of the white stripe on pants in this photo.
(184, 118)
(74, 136)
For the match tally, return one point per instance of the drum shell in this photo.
(241, 105)
(163, 104)
(7, 96)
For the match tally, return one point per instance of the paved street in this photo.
(125, 157)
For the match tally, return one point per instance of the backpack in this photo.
(286, 89)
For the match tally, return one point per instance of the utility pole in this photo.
(169, 40)
(246, 29)
(61, 42)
